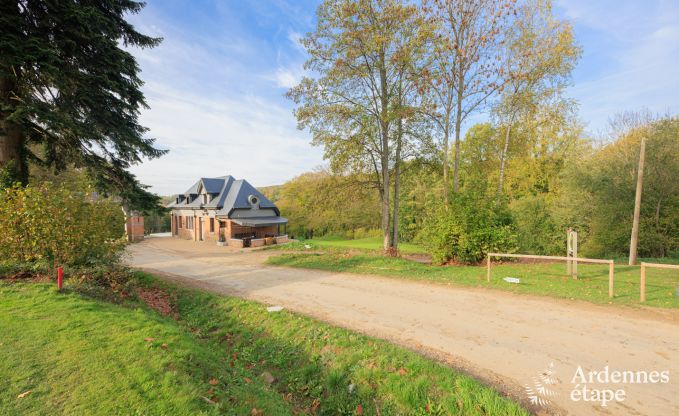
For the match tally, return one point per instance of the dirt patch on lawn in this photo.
(418, 258)
(159, 300)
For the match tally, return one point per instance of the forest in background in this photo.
(582, 183)
(448, 124)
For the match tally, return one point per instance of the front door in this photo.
(200, 228)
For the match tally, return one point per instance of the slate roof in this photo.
(227, 194)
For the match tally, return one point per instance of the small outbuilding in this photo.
(227, 211)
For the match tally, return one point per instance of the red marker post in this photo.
(60, 277)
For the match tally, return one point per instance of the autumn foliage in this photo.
(58, 226)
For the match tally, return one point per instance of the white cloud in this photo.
(216, 102)
(246, 137)
(631, 55)
(287, 78)
(296, 39)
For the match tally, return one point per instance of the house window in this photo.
(189, 223)
(179, 221)
(212, 225)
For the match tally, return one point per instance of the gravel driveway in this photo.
(507, 340)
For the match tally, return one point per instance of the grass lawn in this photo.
(217, 355)
(370, 243)
(540, 279)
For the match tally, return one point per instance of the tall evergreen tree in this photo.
(69, 89)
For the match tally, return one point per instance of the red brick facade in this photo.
(134, 228)
(205, 228)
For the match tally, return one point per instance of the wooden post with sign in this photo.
(572, 252)
(611, 272)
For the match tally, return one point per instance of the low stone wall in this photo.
(281, 239)
(257, 242)
(235, 242)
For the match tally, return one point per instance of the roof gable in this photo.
(212, 185)
(231, 194)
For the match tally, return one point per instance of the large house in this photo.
(227, 211)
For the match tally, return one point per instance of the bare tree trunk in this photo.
(446, 162)
(384, 159)
(637, 206)
(11, 139)
(397, 184)
(503, 158)
(456, 163)
(126, 228)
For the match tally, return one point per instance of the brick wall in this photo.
(134, 228)
(227, 228)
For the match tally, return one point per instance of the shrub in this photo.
(111, 282)
(46, 223)
(536, 227)
(467, 232)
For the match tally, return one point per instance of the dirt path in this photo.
(503, 338)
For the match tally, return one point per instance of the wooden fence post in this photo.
(575, 254)
(611, 271)
(642, 296)
(488, 273)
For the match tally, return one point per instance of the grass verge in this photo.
(539, 279)
(370, 243)
(208, 354)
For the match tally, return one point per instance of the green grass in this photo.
(538, 279)
(370, 243)
(80, 355)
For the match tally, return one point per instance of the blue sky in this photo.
(216, 84)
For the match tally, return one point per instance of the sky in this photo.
(216, 85)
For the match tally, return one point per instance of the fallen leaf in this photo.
(256, 412)
(247, 380)
(268, 377)
(208, 400)
(213, 381)
(402, 371)
(24, 394)
(359, 409)
(164, 346)
(149, 339)
(211, 391)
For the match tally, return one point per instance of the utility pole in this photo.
(637, 206)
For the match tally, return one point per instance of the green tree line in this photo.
(390, 90)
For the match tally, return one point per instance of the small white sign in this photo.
(512, 280)
(274, 308)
